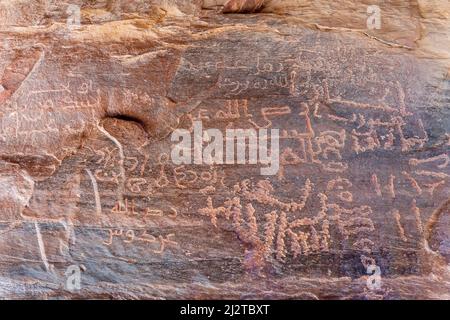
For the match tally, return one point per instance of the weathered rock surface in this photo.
(86, 177)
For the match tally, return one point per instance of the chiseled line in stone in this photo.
(41, 246)
(434, 218)
(98, 205)
(121, 162)
(70, 231)
(30, 73)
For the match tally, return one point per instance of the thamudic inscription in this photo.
(247, 156)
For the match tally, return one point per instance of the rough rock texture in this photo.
(86, 177)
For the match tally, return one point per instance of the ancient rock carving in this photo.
(87, 179)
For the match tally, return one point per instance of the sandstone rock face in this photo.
(359, 208)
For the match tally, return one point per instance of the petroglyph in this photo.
(87, 175)
(130, 236)
(280, 229)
